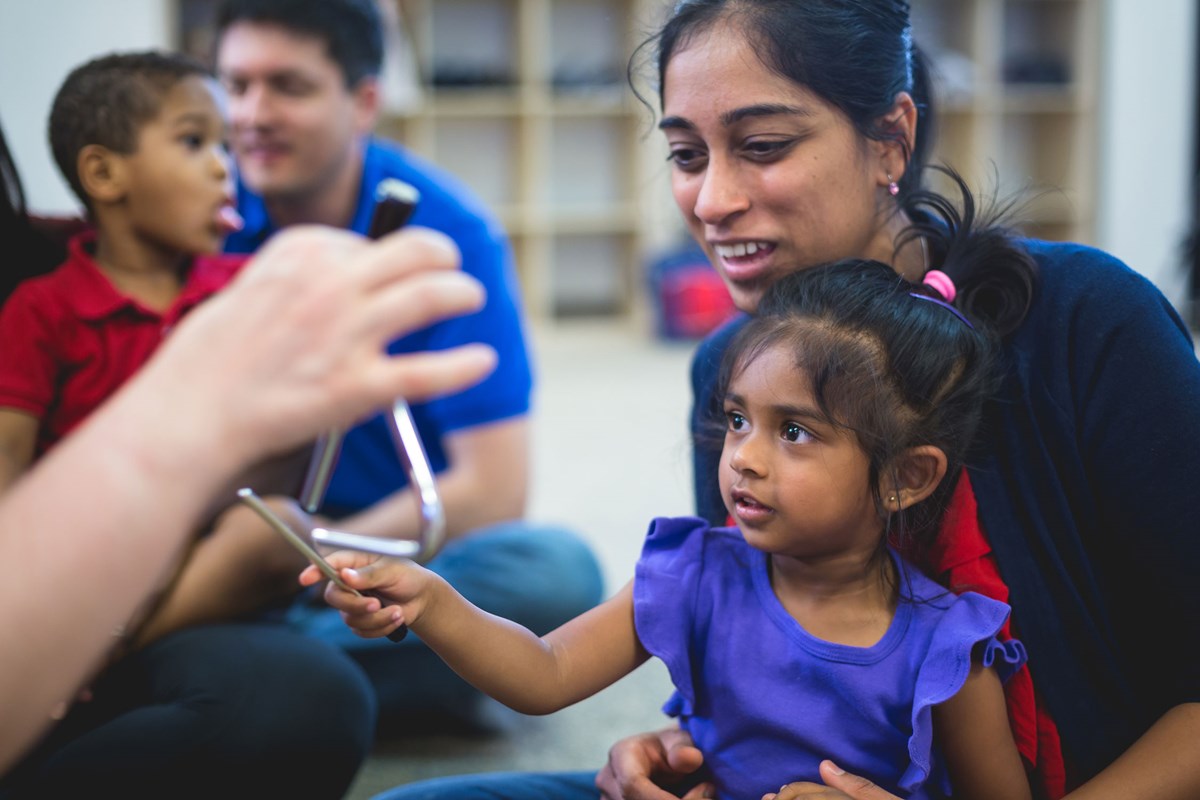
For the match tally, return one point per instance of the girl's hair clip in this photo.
(943, 304)
(941, 283)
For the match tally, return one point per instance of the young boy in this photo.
(139, 137)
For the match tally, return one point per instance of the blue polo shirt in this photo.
(368, 469)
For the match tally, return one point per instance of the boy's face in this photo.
(179, 187)
(296, 125)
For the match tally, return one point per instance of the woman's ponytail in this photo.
(994, 276)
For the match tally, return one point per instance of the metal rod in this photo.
(320, 470)
(247, 496)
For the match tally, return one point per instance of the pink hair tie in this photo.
(941, 283)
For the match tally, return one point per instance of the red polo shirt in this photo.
(70, 338)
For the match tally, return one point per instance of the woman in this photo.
(796, 132)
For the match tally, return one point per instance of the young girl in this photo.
(802, 633)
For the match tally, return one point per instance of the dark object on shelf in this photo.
(469, 76)
(574, 79)
(1031, 68)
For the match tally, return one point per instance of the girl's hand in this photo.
(839, 785)
(400, 583)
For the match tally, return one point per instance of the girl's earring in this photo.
(893, 187)
(892, 499)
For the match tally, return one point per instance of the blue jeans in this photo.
(230, 711)
(537, 576)
(500, 786)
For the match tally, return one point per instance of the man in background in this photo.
(302, 77)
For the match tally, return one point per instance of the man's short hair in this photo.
(351, 29)
(108, 100)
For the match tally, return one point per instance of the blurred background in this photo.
(1089, 105)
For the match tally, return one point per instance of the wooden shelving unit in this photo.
(527, 101)
(1015, 84)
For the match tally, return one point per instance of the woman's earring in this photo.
(892, 498)
(893, 187)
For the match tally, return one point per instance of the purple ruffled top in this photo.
(766, 701)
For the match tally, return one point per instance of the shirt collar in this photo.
(372, 174)
(257, 226)
(93, 296)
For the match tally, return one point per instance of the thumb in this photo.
(685, 758)
(352, 559)
(852, 785)
(682, 754)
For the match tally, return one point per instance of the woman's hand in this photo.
(639, 765)
(839, 785)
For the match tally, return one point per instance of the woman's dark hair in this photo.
(890, 360)
(27, 251)
(856, 55)
(994, 276)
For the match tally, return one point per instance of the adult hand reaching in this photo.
(640, 765)
(298, 342)
(294, 346)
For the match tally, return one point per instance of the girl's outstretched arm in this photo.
(974, 735)
(499, 657)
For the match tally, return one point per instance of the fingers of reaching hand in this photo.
(420, 376)
(382, 291)
(402, 254)
(419, 300)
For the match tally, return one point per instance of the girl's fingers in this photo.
(374, 625)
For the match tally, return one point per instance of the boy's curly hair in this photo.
(107, 101)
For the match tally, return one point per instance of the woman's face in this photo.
(770, 177)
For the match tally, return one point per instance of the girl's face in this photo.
(770, 177)
(794, 484)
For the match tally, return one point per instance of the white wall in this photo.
(40, 42)
(1146, 137)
